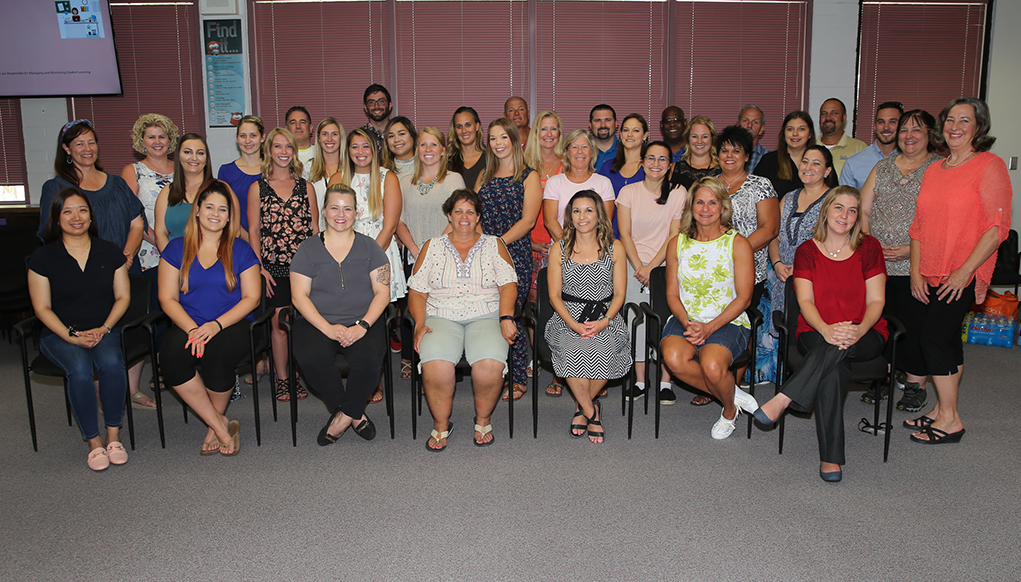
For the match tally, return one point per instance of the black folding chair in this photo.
(657, 314)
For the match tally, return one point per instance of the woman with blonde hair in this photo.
(331, 141)
(700, 156)
(282, 205)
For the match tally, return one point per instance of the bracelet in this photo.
(107, 328)
(217, 322)
(506, 318)
(193, 329)
(775, 262)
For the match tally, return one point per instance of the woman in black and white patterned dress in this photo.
(587, 278)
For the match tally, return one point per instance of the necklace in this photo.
(424, 188)
(730, 185)
(834, 255)
(79, 254)
(949, 164)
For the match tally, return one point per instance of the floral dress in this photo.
(371, 227)
(502, 202)
(150, 183)
(285, 225)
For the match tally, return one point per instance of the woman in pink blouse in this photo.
(963, 215)
(462, 296)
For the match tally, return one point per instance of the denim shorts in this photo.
(731, 336)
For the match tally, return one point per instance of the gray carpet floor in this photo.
(681, 507)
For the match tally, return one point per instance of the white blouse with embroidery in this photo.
(462, 290)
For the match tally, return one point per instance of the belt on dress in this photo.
(594, 308)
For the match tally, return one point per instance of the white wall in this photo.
(1003, 90)
(833, 56)
(41, 120)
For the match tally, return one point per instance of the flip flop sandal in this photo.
(483, 430)
(439, 436)
(405, 369)
(555, 389)
(138, 405)
(938, 437)
(919, 423)
(258, 376)
(701, 400)
(206, 452)
(519, 391)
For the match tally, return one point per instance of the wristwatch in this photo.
(363, 323)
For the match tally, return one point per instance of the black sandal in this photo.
(283, 392)
(582, 427)
(593, 433)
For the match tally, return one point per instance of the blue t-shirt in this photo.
(619, 182)
(239, 182)
(207, 297)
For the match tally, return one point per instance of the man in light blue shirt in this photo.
(858, 167)
(752, 119)
(602, 122)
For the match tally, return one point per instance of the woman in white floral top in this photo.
(462, 296)
(710, 273)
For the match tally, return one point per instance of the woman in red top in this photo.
(840, 280)
(962, 216)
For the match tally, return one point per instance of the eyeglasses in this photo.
(380, 101)
(657, 160)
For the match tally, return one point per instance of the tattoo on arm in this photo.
(383, 275)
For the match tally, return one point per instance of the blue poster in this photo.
(225, 70)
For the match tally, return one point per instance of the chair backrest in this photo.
(791, 312)
(138, 308)
(18, 243)
(1008, 260)
(657, 292)
(543, 314)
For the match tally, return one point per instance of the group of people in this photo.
(455, 227)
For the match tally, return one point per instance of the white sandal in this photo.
(439, 436)
(483, 430)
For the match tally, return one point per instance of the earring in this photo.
(143, 150)
(68, 159)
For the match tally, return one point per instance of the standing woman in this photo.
(283, 206)
(208, 306)
(191, 173)
(649, 215)
(579, 161)
(423, 194)
(79, 287)
(155, 137)
(797, 133)
(511, 196)
(699, 158)
(331, 141)
(466, 145)
(340, 284)
(399, 153)
(587, 285)
(626, 168)
(963, 215)
(246, 170)
(888, 201)
(840, 280)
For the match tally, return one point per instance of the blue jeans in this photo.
(78, 363)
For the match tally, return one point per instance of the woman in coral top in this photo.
(963, 215)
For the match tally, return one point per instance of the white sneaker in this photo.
(723, 427)
(745, 401)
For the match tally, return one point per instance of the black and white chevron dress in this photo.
(604, 357)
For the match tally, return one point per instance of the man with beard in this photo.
(516, 110)
(299, 123)
(752, 119)
(377, 108)
(671, 126)
(602, 122)
(832, 118)
(859, 166)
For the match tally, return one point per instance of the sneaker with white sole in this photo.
(667, 397)
(723, 427)
(914, 398)
(745, 401)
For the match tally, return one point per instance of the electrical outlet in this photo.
(1012, 163)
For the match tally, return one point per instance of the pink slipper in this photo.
(115, 451)
(98, 460)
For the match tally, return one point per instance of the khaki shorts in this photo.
(478, 339)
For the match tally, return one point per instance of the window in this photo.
(932, 51)
(160, 72)
(12, 153)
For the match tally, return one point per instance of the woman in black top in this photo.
(79, 287)
(797, 134)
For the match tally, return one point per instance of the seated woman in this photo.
(840, 280)
(587, 283)
(340, 282)
(710, 273)
(463, 292)
(209, 284)
(79, 287)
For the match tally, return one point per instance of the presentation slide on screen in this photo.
(57, 48)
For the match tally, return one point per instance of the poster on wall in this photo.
(225, 81)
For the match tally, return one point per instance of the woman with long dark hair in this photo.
(797, 133)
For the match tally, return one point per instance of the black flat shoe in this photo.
(326, 438)
(831, 476)
(366, 429)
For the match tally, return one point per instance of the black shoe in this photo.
(634, 393)
(879, 390)
(326, 438)
(366, 429)
(914, 397)
(667, 397)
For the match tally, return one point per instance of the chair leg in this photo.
(157, 396)
(28, 396)
(67, 404)
(415, 389)
(510, 392)
(131, 417)
(388, 388)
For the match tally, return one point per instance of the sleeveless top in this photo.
(285, 225)
(176, 219)
(705, 274)
(150, 183)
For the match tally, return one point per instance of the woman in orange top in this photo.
(963, 215)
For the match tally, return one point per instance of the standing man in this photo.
(602, 122)
(752, 119)
(671, 126)
(377, 107)
(858, 167)
(516, 110)
(299, 123)
(832, 118)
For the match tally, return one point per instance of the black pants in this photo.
(821, 381)
(218, 363)
(316, 354)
